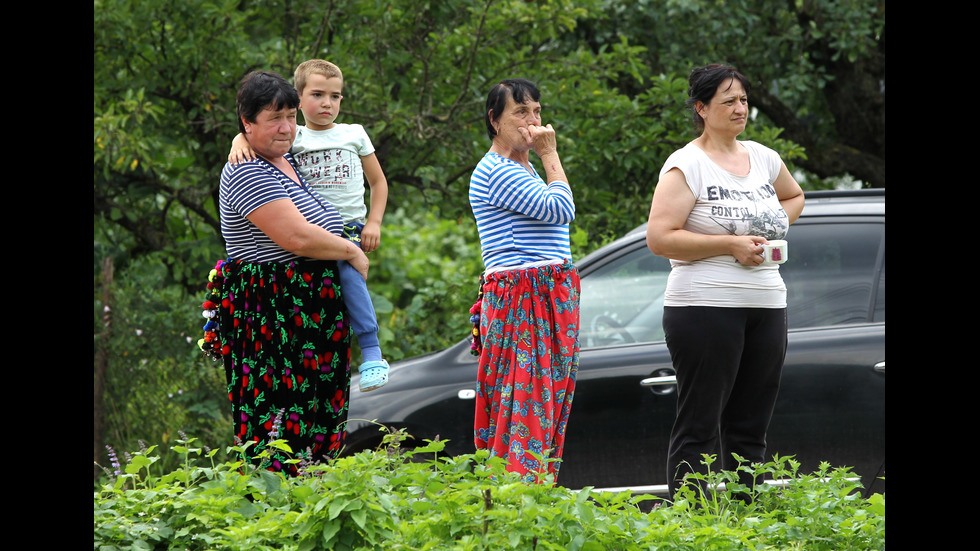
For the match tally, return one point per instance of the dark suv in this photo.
(831, 404)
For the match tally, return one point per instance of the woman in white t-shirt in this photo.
(718, 201)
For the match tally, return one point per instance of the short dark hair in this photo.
(522, 90)
(261, 90)
(704, 82)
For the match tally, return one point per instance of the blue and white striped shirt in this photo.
(520, 219)
(250, 185)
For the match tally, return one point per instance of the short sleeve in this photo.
(362, 141)
(248, 187)
(767, 158)
(684, 160)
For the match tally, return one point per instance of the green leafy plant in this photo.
(157, 380)
(414, 499)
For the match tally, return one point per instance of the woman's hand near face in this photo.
(540, 138)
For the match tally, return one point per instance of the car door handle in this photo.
(880, 367)
(659, 381)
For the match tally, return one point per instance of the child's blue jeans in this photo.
(354, 290)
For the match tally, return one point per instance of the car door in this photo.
(831, 404)
(618, 430)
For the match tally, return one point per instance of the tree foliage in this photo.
(613, 75)
(817, 66)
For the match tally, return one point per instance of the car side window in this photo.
(622, 301)
(831, 273)
(829, 276)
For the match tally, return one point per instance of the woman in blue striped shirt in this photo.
(282, 330)
(530, 296)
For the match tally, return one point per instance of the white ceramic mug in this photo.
(775, 252)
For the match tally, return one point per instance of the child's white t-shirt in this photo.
(330, 161)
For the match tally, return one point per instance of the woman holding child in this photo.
(529, 313)
(282, 328)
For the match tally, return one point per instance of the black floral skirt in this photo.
(283, 335)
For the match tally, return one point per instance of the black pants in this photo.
(728, 362)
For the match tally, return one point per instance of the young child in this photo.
(334, 158)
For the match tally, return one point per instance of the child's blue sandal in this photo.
(374, 375)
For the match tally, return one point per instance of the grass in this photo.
(397, 499)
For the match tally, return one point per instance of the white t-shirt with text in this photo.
(729, 204)
(330, 161)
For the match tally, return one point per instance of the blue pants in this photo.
(728, 363)
(355, 293)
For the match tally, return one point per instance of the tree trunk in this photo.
(100, 365)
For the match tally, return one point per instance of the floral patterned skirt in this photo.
(284, 338)
(529, 326)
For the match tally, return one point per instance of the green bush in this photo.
(399, 500)
(156, 379)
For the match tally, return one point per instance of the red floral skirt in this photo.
(284, 336)
(529, 326)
